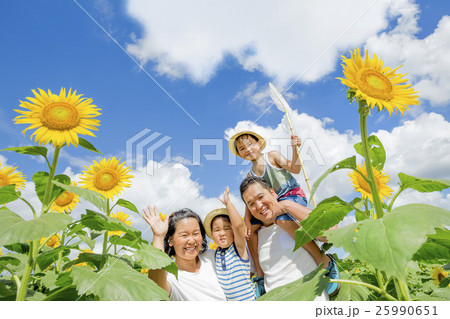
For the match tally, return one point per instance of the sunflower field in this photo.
(394, 253)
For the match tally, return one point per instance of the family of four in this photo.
(275, 204)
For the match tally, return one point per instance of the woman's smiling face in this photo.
(187, 239)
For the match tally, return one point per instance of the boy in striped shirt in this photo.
(226, 227)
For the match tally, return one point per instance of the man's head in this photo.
(260, 199)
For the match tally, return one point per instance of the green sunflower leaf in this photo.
(8, 194)
(349, 163)
(389, 243)
(100, 222)
(49, 257)
(9, 260)
(306, 288)
(14, 229)
(153, 258)
(116, 281)
(328, 213)
(91, 196)
(87, 145)
(29, 150)
(40, 181)
(127, 204)
(126, 240)
(376, 152)
(423, 185)
(436, 249)
(96, 259)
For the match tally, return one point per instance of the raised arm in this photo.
(159, 229)
(280, 161)
(236, 223)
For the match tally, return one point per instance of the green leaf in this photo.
(19, 248)
(303, 289)
(389, 243)
(91, 196)
(90, 242)
(346, 163)
(29, 150)
(68, 293)
(423, 185)
(117, 281)
(87, 145)
(376, 152)
(153, 258)
(327, 214)
(128, 205)
(96, 259)
(9, 260)
(126, 240)
(8, 194)
(444, 283)
(99, 222)
(40, 181)
(49, 280)
(436, 249)
(49, 257)
(14, 229)
(350, 292)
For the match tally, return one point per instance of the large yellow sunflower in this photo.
(9, 177)
(58, 118)
(53, 242)
(377, 85)
(107, 177)
(360, 185)
(124, 219)
(66, 202)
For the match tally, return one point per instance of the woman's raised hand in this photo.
(151, 216)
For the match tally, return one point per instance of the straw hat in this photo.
(232, 142)
(209, 218)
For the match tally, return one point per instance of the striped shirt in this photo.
(233, 274)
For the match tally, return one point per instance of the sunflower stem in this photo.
(29, 205)
(394, 198)
(363, 112)
(31, 262)
(59, 263)
(360, 283)
(105, 237)
(48, 188)
(404, 290)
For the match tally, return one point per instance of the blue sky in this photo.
(216, 60)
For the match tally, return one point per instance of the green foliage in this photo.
(116, 281)
(153, 258)
(423, 185)
(100, 222)
(390, 243)
(8, 194)
(14, 229)
(40, 181)
(306, 288)
(47, 258)
(9, 260)
(328, 213)
(376, 150)
(91, 196)
(87, 145)
(128, 205)
(29, 150)
(436, 249)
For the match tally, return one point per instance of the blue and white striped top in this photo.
(233, 274)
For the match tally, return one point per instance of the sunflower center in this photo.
(64, 199)
(3, 180)
(374, 84)
(440, 277)
(106, 179)
(60, 116)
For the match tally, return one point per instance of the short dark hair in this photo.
(241, 136)
(250, 180)
(223, 216)
(174, 218)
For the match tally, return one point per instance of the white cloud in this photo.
(284, 40)
(425, 60)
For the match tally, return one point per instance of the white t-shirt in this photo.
(280, 264)
(202, 285)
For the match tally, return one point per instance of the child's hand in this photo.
(296, 141)
(159, 227)
(225, 196)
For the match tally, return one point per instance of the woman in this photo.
(182, 237)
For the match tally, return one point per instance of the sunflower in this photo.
(8, 177)
(106, 177)
(123, 218)
(213, 246)
(360, 185)
(58, 118)
(144, 271)
(66, 202)
(377, 85)
(53, 242)
(162, 216)
(438, 273)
